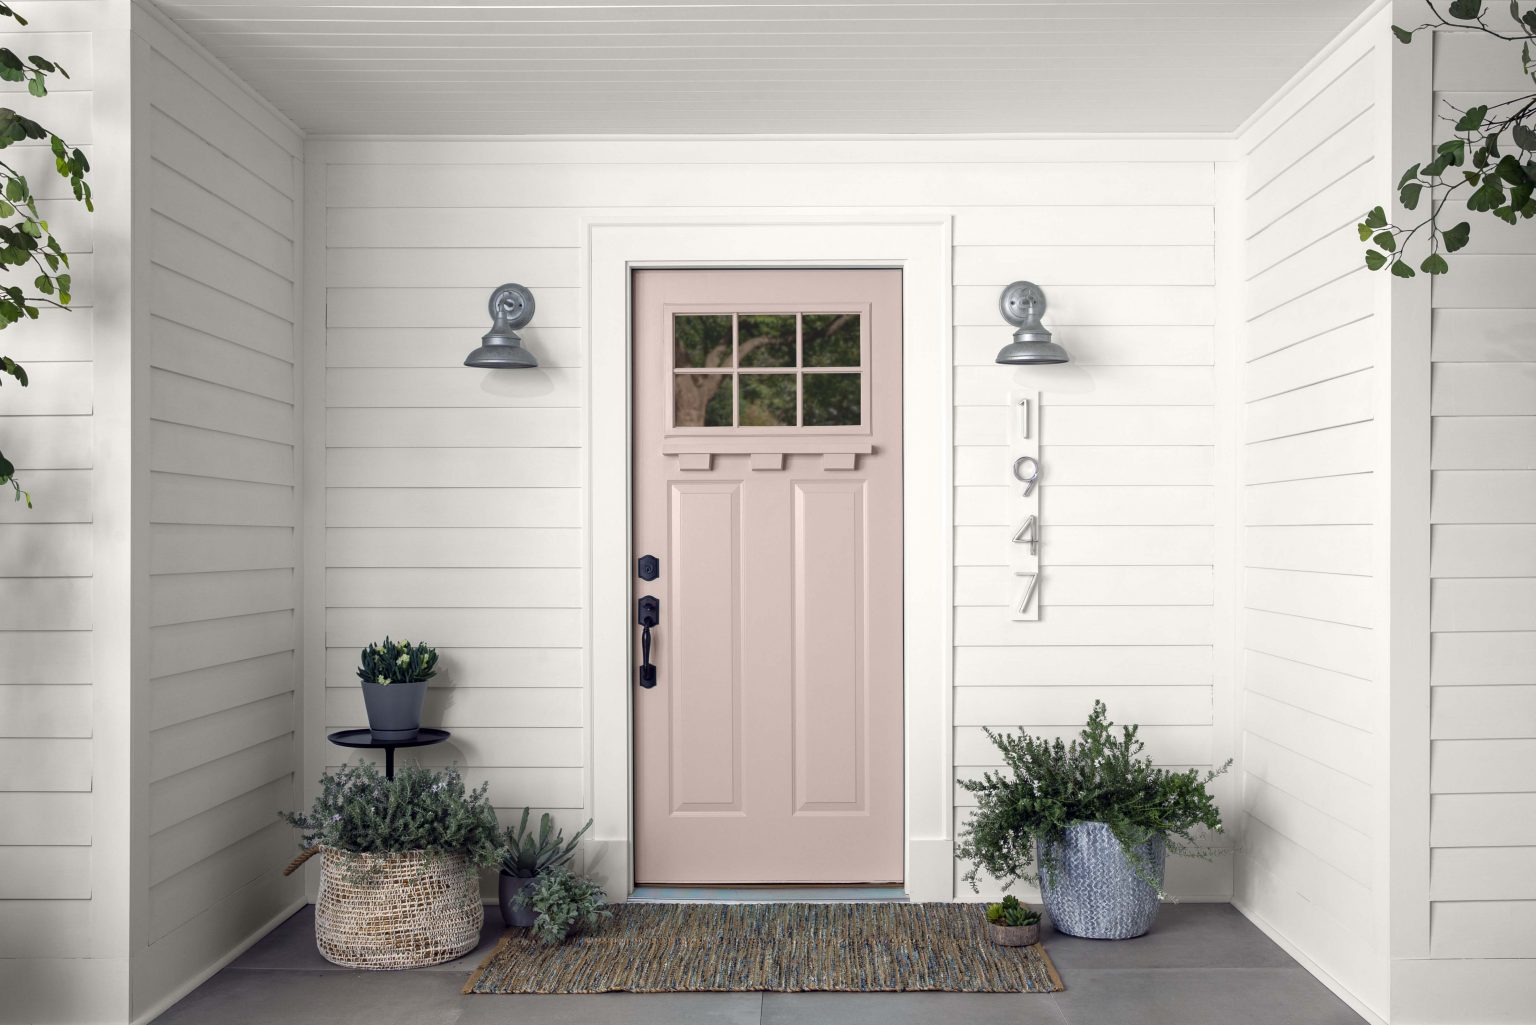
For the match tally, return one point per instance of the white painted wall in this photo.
(63, 834)
(1312, 697)
(220, 234)
(1480, 961)
(453, 499)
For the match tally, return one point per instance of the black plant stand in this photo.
(365, 738)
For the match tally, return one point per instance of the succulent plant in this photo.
(531, 854)
(1009, 911)
(387, 662)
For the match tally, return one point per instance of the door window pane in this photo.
(701, 340)
(766, 340)
(767, 400)
(832, 400)
(702, 400)
(831, 339)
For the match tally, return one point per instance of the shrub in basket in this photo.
(1091, 821)
(526, 857)
(399, 886)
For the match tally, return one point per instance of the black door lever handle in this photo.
(649, 615)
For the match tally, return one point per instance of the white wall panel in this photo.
(1482, 729)
(48, 561)
(1312, 784)
(479, 548)
(223, 694)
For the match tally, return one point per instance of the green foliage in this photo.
(360, 811)
(386, 662)
(564, 903)
(25, 240)
(1010, 912)
(1497, 140)
(526, 855)
(1048, 786)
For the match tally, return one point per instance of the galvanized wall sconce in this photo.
(1023, 304)
(502, 348)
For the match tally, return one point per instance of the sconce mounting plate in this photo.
(514, 302)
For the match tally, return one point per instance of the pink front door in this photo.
(767, 484)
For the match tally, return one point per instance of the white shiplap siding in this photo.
(453, 497)
(223, 709)
(1483, 600)
(47, 567)
(1308, 699)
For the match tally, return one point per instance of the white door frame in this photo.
(921, 246)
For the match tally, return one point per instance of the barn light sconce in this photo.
(1022, 304)
(502, 348)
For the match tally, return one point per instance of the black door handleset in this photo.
(648, 615)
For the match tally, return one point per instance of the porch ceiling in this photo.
(764, 66)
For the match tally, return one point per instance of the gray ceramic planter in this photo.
(394, 710)
(507, 888)
(1095, 891)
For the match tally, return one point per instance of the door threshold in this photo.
(768, 894)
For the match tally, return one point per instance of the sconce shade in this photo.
(501, 348)
(1022, 304)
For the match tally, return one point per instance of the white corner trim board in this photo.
(921, 247)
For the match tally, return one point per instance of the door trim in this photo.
(920, 245)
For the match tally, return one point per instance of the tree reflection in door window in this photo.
(767, 370)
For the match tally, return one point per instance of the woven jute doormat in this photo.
(786, 948)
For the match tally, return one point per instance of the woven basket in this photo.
(396, 910)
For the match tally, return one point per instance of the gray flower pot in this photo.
(1095, 891)
(509, 887)
(394, 710)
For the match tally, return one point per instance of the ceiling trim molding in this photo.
(1360, 21)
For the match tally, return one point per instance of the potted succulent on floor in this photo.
(399, 886)
(1097, 820)
(1011, 924)
(527, 856)
(394, 677)
(563, 903)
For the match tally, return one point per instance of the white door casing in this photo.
(920, 245)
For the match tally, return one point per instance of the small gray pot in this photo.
(394, 710)
(1096, 892)
(507, 888)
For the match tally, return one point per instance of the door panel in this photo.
(767, 479)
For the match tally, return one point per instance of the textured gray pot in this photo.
(1095, 891)
(394, 710)
(507, 888)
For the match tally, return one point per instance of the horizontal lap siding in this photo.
(1483, 593)
(1307, 698)
(453, 499)
(223, 701)
(46, 566)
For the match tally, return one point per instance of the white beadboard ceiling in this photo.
(764, 66)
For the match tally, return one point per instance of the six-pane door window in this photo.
(767, 370)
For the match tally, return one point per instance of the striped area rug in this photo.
(785, 948)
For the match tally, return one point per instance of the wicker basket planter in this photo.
(396, 910)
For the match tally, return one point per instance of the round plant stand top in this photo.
(426, 737)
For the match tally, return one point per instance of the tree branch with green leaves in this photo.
(27, 245)
(1491, 153)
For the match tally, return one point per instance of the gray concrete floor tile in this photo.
(1193, 996)
(614, 1009)
(910, 1008)
(1184, 936)
(239, 996)
(291, 946)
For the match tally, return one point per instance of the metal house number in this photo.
(1025, 473)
